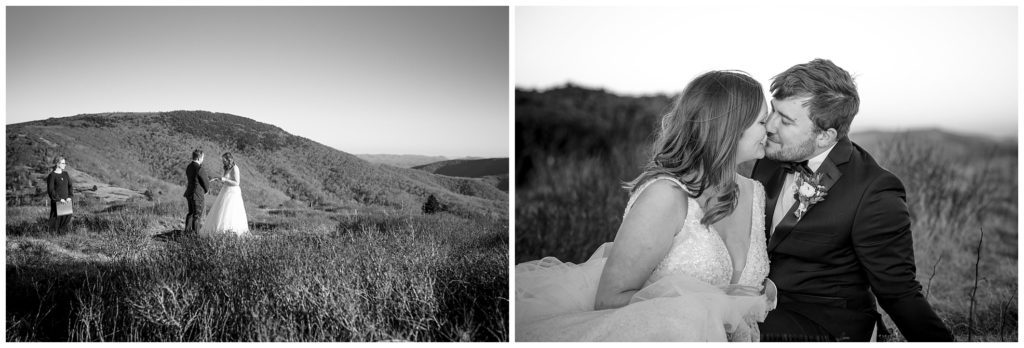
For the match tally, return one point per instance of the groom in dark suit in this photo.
(833, 259)
(195, 191)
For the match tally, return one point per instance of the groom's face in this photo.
(791, 135)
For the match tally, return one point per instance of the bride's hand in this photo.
(742, 290)
(771, 292)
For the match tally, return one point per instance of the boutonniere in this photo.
(809, 191)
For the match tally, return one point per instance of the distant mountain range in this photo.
(147, 153)
(491, 169)
(956, 146)
(401, 161)
(408, 161)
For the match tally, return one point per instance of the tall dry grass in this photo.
(970, 279)
(573, 205)
(416, 278)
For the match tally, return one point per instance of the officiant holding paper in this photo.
(58, 186)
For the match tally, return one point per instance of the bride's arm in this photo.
(227, 179)
(643, 240)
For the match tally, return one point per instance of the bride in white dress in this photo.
(227, 214)
(689, 261)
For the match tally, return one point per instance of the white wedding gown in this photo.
(227, 214)
(683, 299)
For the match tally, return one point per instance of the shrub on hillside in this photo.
(432, 205)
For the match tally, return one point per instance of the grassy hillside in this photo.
(339, 249)
(491, 170)
(575, 147)
(150, 151)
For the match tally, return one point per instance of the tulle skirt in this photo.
(555, 302)
(227, 214)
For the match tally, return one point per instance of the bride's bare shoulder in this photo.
(661, 196)
(663, 188)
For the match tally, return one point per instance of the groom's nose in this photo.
(772, 125)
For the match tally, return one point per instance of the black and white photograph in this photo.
(257, 174)
(766, 173)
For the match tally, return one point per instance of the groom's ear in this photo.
(827, 137)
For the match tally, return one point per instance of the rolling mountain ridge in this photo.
(148, 152)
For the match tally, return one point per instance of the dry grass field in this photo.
(126, 274)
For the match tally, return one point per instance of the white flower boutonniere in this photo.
(808, 192)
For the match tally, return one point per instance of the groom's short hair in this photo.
(834, 100)
(196, 154)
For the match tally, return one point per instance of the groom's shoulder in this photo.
(869, 169)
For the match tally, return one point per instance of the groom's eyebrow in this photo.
(790, 119)
(774, 110)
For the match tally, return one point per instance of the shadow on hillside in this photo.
(178, 234)
(114, 208)
(170, 236)
(39, 226)
(262, 226)
(43, 298)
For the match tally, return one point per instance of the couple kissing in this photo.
(805, 249)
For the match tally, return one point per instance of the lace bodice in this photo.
(231, 177)
(698, 251)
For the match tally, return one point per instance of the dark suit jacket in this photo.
(196, 180)
(855, 243)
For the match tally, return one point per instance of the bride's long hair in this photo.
(697, 140)
(229, 161)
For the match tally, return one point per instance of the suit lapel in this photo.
(830, 175)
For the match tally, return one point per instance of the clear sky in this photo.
(396, 80)
(947, 67)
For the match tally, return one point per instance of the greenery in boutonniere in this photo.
(808, 192)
